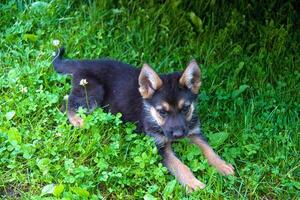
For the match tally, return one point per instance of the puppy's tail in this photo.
(61, 65)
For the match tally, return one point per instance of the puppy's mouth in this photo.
(175, 136)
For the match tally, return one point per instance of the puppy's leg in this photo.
(74, 119)
(88, 96)
(211, 156)
(183, 174)
(73, 104)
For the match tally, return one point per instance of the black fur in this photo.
(151, 101)
(113, 85)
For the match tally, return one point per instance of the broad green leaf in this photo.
(196, 21)
(152, 189)
(39, 4)
(102, 164)
(149, 197)
(39, 7)
(240, 67)
(43, 164)
(14, 135)
(30, 37)
(80, 191)
(58, 189)
(175, 3)
(297, 185)
(48, 189)
(28, 150)
(10, 115)
(192, 153)
(217, 139)
(13, 76)
(169, 188)
(241, 89)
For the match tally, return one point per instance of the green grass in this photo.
(249, 57)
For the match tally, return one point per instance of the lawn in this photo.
(249, 103)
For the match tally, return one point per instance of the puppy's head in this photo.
(169, 100)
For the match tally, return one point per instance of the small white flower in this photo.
(53, 53)
(83, 82)
(58, 134)
(24, 89)
(66, 97)
(55, 43)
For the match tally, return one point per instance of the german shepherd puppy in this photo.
(163, 106)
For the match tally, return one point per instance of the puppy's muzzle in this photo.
(178, 133)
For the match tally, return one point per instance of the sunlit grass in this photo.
(249, 58)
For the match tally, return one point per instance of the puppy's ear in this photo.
(190, 78)
(149, 81)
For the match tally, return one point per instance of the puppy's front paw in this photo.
(224, 168)
(194, 184)
(76, 121)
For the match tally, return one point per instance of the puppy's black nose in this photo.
(179, 133)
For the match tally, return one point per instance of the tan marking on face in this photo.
(160, 139)
(166, 106)
(180, 103)
(181, 171)
(195, 130)
(190, 113)
(160, 121)
(158, 107)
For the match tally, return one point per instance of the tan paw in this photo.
(76, 121)
(194, 184)
(224, 168)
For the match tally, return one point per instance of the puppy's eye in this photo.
(162, 112)
(185, 109)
